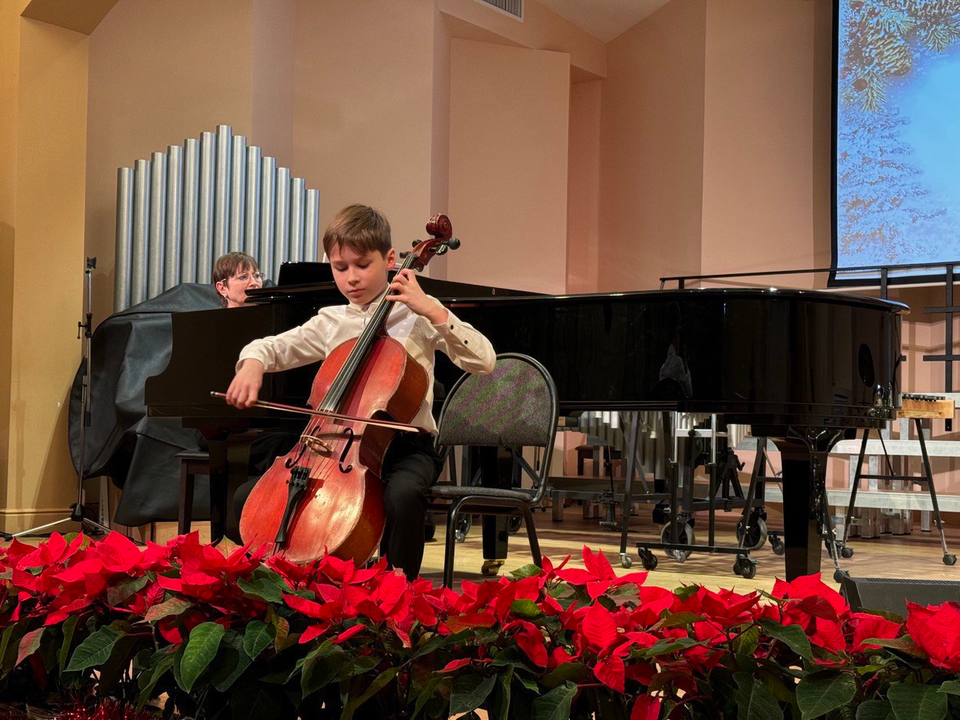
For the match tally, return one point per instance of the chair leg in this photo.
(186, 500)
(532, 536)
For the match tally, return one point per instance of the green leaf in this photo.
(501, 705)
(231, 662)
(68, 628)
(528, 682)
(281, 630)
(321, 667)
(662, 647)
(685, 592)
(790, 635)
(526, 571)
(95, 649)
(469, 690)
(951, 687)
(173, 606)
(747, 641)
(111, 672)
(262, 589)
(875, 710)
(525, 608)
(10, 644)
(200, 651)
(574, 672)
(679, 619)
(819, 693)
(376, 686)
(256, 701)
(903, 644)
(435, 642)
(754, 701)
(917, 702)
(160, 664)
(427, 693)
(257, 637)
(119, 593)
(885, 614)
(29, 644)
(359, 666)
(555, 705)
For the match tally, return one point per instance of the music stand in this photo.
(84, 333)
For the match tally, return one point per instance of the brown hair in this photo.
(360, 228)
(229, 265)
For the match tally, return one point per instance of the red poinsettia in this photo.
(936, 631)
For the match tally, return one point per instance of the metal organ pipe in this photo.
(180, 210)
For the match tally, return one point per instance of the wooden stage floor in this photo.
(915, 556)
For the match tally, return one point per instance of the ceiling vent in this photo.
(514, 8)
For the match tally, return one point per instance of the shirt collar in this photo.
(356, 310)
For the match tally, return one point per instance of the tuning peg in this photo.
(453, 243)
(417, 242)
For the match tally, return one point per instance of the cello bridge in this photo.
(316, 444)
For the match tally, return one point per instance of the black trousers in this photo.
(410, 468)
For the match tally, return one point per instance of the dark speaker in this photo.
(892, 595)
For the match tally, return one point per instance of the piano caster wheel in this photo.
(947, 560)
(491, 568)
(745, 568)
(758, 533)
(685, 536)
(846, 552)
(839, 575)
(464, 523)
(776, 545)
(647, 559)
(625, 560)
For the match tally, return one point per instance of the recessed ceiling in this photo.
(605, 19)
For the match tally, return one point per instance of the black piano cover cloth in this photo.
(136, 451)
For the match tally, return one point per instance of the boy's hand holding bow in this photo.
(407, 290)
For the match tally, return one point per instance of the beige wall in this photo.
(440, 132)
(509, 138)
(541, 29)
(363, 108)
(583, 188)
(47, 270)
(273, 61)
(758, 163)
(651, 149)
(145, 96)
(9, 112)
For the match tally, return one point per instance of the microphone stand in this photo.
(84, 333)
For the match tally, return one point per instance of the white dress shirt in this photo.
(315, 339)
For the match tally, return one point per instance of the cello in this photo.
(325, 496)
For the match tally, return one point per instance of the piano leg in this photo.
(229, 462)
(496, 470)
(801, 516)
(804, 483)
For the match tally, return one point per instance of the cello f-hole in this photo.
(348, 432)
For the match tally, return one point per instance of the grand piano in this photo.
(803, 368)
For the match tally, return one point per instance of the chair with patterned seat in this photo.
(512, 408)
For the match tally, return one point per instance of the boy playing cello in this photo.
(357, 242)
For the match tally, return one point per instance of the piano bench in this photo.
(599, 453)
(192, 463)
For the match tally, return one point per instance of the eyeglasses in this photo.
(243, 277)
